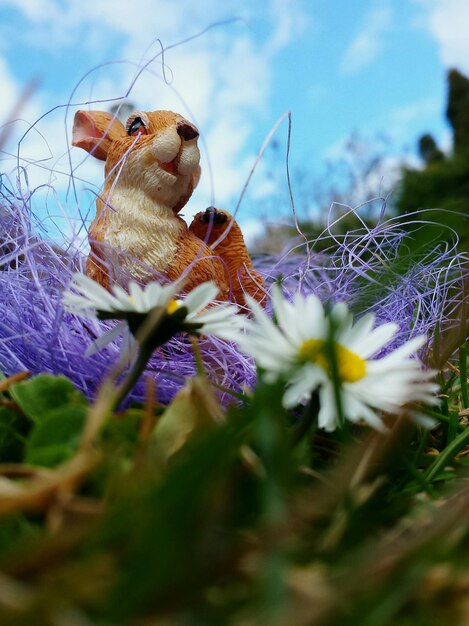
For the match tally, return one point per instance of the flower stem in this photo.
(198, 358)
(448, 454)
(132, 377)
(334, 366)
(306, 420)
(463, 375)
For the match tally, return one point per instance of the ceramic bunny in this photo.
(152, 167)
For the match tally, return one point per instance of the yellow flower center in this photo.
(351, 367)
(172, 307)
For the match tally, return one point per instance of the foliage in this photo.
(444, 181)
(443, 184)
(192, 514)
(457, 110)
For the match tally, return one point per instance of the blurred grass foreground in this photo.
(194, 496)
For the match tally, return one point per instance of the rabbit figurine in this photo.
(152, 167)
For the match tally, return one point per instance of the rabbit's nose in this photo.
(187, 131)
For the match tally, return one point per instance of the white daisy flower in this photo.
(297, 348)
(190, 314)
(89, 299)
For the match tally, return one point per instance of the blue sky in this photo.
(370, 66)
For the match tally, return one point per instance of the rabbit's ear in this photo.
(94, 131)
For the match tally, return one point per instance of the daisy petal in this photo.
(201, 296)
(108, 337)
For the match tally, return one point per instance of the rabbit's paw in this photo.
(208, 225)
(212, 215)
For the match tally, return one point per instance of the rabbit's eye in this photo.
(137, 126)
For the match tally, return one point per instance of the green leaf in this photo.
(122, 433)
(55, 438)
(38, 396)
(58, 411)
(13, 428)
(16, 529)
(194, 407)
(159, 525)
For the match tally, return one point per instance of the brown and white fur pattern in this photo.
(152, 167)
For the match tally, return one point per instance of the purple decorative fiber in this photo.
(372, 270)
(37, 335)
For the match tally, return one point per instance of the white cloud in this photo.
(227, 169)
(252, 229)
(32, 9)
(448, 22)
(404, 121)
(368, 43)
(290, 20)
